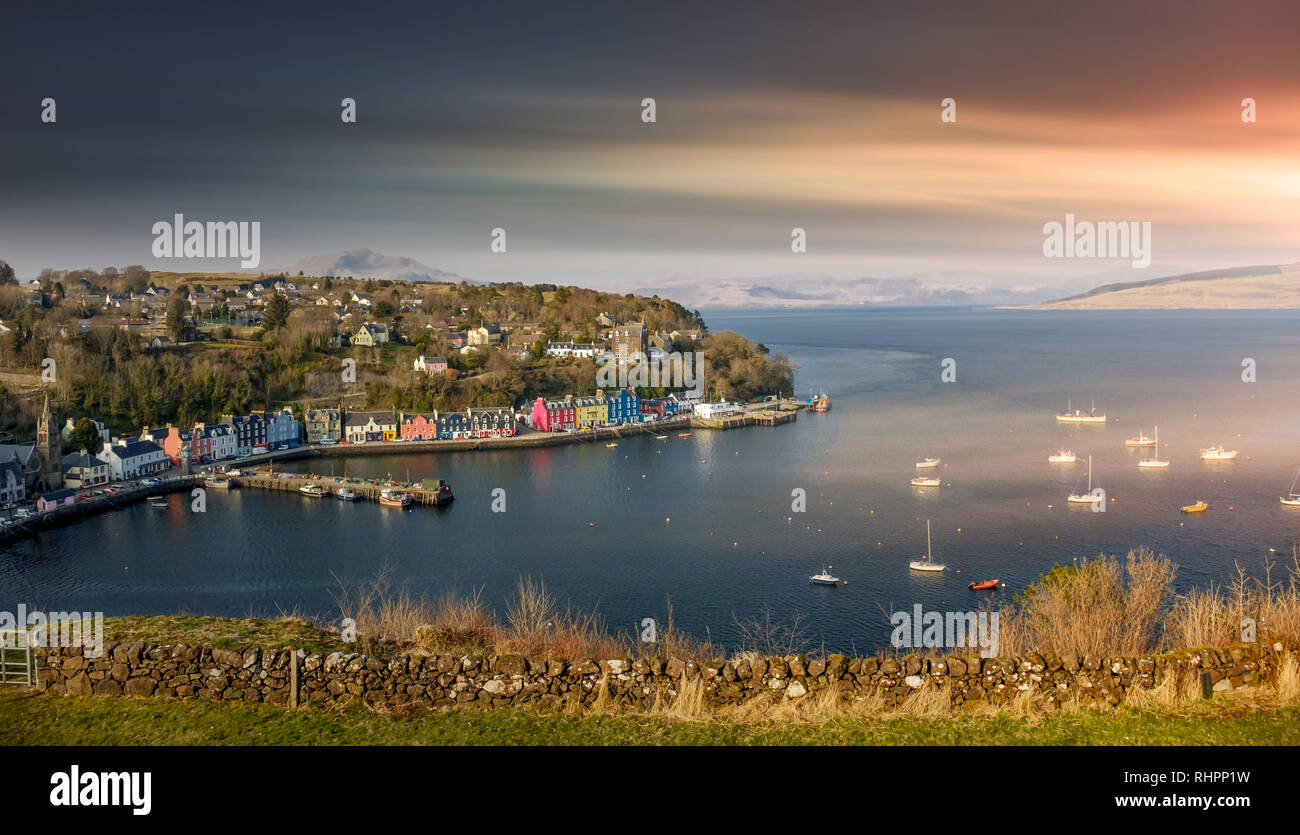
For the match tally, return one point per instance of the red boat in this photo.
(987, 584)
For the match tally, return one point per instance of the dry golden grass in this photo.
(1099, 607)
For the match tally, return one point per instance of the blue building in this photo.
(282, 429)
(624, 406)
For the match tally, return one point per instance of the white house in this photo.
(131, 459)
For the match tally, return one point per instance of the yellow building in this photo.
(590, 411)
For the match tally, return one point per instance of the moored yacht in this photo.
(1063, 456)
(1084, 498)
(1218, 453)
(1155, 462)
(1072, 415)
(825, 578)
(926, 563)
(314, 490)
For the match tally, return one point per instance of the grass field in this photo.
(28, 719)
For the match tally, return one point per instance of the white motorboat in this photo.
(825, 578)
(927, 463)
(1063, 456)
(1218, 453)
(922, 481)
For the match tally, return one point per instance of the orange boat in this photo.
(684, 435)
(987, 584)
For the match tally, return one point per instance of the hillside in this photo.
(1242, 288)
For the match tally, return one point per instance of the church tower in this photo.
(49, 445)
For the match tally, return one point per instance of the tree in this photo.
(7, 274)
(176, 310)
(85, 437)
(277, 312)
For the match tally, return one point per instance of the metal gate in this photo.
(16, 663)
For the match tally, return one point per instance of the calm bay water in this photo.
(707, 521)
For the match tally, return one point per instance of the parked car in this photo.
(328, 441)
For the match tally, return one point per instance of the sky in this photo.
(528, 117)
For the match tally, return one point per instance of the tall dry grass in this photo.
(1099, 606)
(1213, 616)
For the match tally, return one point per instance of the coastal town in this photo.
(435, 340)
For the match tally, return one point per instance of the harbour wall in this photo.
(293, 677)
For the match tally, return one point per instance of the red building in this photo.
(554, 415)
(419, 427)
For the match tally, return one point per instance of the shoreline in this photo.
(776, 414)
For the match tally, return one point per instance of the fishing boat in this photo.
(927, 562)
(1062, 456)
(1072, 415)
(394, 498)
(1155, 462)
(1140, 440)
(347, 494)
(1084, 498)
(1199, 507)
(316, 491)
(1292, 498)
(821, 403)
(825, 578)
(1218, 453)
(987, 584)
(926, 463)
(611, 446)
(922, 481)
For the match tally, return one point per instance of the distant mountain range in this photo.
(947, 288)
(366, 263)
(1256, 287)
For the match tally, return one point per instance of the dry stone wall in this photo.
(436, 681)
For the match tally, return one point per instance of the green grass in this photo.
(223, 633)
(29, 719)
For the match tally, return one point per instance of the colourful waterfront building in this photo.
(624, 406)
(590, 412)
(419, 427)
(554, 415)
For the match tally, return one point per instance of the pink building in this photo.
(420, 427)
(554, 415)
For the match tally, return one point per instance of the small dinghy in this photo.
(1199, 507)
(987, 584)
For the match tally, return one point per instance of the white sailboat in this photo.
(927, 562)
(1155, 462)
(1292, 498)
(1063, 456)
(1084, 498)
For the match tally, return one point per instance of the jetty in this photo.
(429, 492)
(754, 414)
